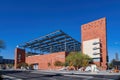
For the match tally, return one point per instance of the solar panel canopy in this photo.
(53, 42)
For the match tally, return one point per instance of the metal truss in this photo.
(54, 42)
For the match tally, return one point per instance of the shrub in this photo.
(23, 64)
(58, 63)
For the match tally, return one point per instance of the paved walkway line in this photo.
(10, 77)
(77, 72)
(80, 76)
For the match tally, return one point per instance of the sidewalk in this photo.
(76, 72)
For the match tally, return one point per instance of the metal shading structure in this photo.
(53, 42)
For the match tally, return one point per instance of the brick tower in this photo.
(94, 41)
(19, 56)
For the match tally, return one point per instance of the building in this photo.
(57, 45)
(94, 41)
(116, 57)
(6, 63)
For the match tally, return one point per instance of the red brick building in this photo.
(58, 45)
(40, 61)
(94, 41)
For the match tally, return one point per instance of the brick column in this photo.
(19, 56)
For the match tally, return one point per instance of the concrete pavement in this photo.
(58, 75)
(77, 72)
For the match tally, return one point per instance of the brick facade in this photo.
(96, 29)
(19, 56)
(92, 30)
(43, 60)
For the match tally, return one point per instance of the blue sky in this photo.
(24, 20)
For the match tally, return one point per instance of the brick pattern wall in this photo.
(19, 56)
(43, 60)
(96, 29)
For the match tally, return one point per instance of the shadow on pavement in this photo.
(5, 72)
(10, 72)
(52, 75)
(6, 79)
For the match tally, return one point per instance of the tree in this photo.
(77, 59)
(65, 64)
(2, 44)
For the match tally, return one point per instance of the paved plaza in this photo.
(58, 75)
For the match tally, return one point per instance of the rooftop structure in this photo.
(53, 42)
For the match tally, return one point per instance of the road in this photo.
(30, 75)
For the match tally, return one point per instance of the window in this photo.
(19, 57)
(96, 43)
(96, 53)
(95, 48)
(96, 59)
